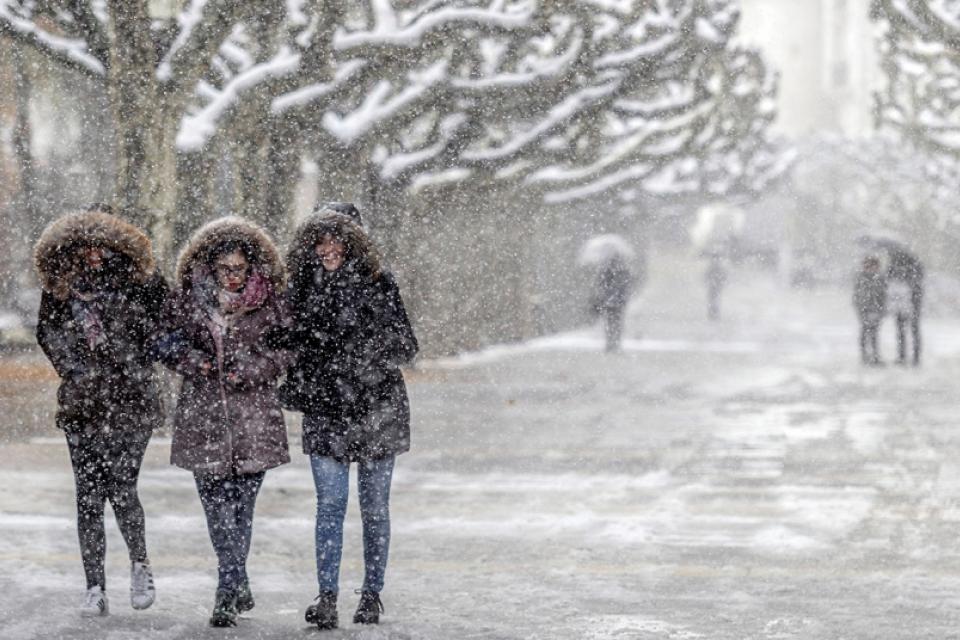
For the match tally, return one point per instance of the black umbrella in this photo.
(903, 263)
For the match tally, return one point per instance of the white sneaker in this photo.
(142, 592)
(95, 604)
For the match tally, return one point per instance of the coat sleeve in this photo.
(52, 336)
(172, 345)
(396, 342)
(153, 296)
(263, 363)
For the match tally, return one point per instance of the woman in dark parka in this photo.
(99, 310)
(350, 335)
(228, 426)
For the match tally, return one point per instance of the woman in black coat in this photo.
(98, 316)
(350, 335)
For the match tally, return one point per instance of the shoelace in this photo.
(142, 578)
(375, 597)
(95, 598)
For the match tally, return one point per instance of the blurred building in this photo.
(826, 54)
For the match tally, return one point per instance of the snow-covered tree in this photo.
(878, 185)
(920, 55)
(570, 97)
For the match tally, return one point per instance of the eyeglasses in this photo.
(227, 270)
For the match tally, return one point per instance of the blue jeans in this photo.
(332, 479)
(228, 504)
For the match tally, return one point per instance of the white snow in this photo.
(189, 18)
(387, 31)
(382, 102)
(197, 128)
(557, 115)
(732, 480)
(309, 93)
(655, 47)
(74, 49)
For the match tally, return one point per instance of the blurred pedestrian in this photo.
(715, 278)
(869, 300)
(99, 310)
(228, 427)
(905, 299)
(611, 292)
(350, 334)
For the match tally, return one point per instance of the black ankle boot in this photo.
(244, 597)
(369, 609)
(323, 612)
(224, 609)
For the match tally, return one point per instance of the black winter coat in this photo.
(870, 296)
(110, 386)
(612, 287)
(350, 334)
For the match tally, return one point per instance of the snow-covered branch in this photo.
(920, 55)
(73, 53)
(389, 30)
(204, 25)
(199, 127)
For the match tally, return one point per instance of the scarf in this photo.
(89, 299)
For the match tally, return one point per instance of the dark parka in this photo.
(870, 295)
(613, 285)
(350, 335)
(221, 427)
(107, 384)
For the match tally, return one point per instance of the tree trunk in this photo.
(24, 216)
(283, 173)
(146, 124)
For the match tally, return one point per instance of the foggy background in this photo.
(738, 478)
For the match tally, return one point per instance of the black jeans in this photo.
(869, 350)
(106, 467)
(228, 503)
(913, 320)
(613, 327)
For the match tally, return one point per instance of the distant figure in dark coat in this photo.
(715, 278)
(99, 312)
(611, 293)
(870, 300)
(350, 336)
(905, 299)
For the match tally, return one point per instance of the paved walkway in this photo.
(740, 480)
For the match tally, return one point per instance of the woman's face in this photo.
(331, 251)
(232, 270)
(91, 257)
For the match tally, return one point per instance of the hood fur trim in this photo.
(231, 228)
(301, 258)
(51, 253)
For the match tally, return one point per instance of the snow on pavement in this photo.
(741, 480)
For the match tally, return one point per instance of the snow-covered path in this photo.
(740, 480)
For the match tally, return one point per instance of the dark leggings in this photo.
(228, 503)
(106, 467)
(869, 351)
(613, 327)
(903, 321)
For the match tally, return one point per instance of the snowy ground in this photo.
(741, 480)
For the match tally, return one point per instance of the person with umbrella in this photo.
(869, 300)
(612, 285)
(904, 292)
(905, 287)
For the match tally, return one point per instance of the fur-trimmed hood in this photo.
(302, 258)
(52, 253)
(230, 228)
